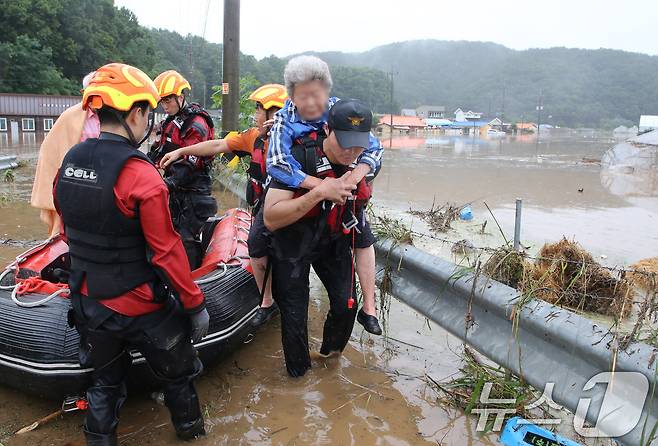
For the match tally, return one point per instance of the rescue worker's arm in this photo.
(369, 161)
(205, 148)
(282, 208)
(168, 254)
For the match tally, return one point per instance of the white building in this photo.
(648, 123)
(461, 116)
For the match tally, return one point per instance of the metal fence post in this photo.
(517, 225)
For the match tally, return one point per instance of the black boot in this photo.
(190, 431)
(264, 314)
(370, 323)
(94, 439)
(183, 403)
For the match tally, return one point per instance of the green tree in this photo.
(248, 84)
(27, 68)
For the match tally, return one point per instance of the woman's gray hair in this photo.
(87, 79)
(302, 69)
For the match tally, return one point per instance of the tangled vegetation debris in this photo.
(506, 266)
(385, 227)
(563, 274)
(568, 275)
(8, 176)
(646, 277)
(439, 218)
(464, 392)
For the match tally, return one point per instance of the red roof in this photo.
(403, 121)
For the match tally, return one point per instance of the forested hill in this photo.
(578, 87)
(47, 46)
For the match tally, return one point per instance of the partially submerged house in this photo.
(31, 112)
(402, 124)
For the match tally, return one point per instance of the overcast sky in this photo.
(295, 26)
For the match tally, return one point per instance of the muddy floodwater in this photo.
(377, 393)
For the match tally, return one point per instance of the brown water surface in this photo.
(376, 393)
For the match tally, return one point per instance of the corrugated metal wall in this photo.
(35, 105)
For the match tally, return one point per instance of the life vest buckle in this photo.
(352, 223)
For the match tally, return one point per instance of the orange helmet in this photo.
(171, 82)
(270, 95)
(119, 86)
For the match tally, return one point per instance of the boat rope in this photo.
(215, 276)
(9, 269)
(38, 303)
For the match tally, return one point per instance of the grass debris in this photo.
(438, 218)
(566, 274)
(563, 274)
(464, 392)
(384, 227)
(506, 266)
(646, 277)
(8, 176)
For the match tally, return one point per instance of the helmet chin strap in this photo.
(180, 105)
(131, 135)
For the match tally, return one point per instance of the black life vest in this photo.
(105, 246)
(339, 219)
(257, 174)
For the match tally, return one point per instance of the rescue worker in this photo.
(127, 261)
(309, 83)
(308, 230)
(189, 179)
(269, 99)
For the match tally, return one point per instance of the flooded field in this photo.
(378, 392)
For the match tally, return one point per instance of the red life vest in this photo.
(174, 130)
(257, 173)
(340, 219)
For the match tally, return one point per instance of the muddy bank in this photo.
(374, 394)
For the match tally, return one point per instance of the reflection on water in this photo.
(376, 393)
(564, 190)
(24, 144)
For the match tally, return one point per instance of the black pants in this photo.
(290, 287)
(189, 212)
(163, 340)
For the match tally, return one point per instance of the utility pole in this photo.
(390, 135)
(502, 112)
(231, 66)
(540, 107)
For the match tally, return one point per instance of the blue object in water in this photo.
(466, 213)
(521, 432)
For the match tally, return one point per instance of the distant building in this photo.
(467, 127)
(408, 112)
(437, 123)
(648, 123)
(31, 112)
(431, 112)
(625, 131)
(461, 115)
(403, 124)
(526, 127)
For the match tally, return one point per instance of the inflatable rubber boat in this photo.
(39, 350)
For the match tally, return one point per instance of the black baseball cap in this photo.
(351, 120)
